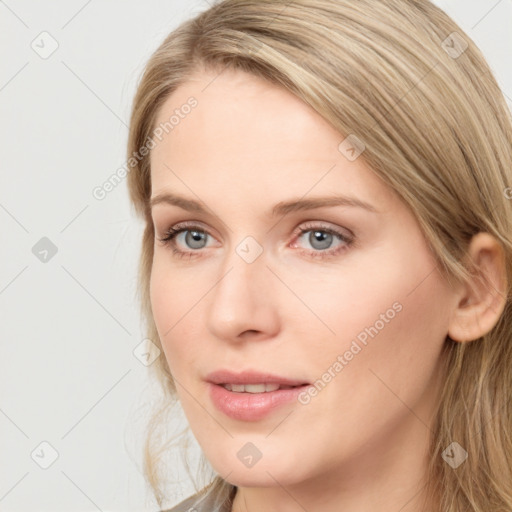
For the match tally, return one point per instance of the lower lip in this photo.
(251, 406)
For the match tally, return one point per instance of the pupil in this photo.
(196, 237)
(323, 237)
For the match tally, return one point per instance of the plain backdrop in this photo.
(73, 394)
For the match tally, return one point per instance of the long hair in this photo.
(405, 80)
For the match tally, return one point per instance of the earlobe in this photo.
(481, 300)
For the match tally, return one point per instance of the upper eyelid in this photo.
(304, 226)
(307, 224)
(346, 241)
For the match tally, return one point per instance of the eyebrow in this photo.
(281, 208)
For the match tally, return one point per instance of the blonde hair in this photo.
(403, 78)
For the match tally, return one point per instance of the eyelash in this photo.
(173, 232)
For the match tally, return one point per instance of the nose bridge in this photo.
(243, 271)
(241, 298)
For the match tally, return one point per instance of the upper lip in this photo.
(251, 377)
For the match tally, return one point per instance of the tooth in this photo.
(255, 388)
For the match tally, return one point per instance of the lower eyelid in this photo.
(329, 253)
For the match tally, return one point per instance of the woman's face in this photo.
(354, 308)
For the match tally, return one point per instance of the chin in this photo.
(268, 471)
(255, 477)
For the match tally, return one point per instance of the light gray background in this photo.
(68, 326)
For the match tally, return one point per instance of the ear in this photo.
(482, 300)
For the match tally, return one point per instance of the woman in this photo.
(327, 256)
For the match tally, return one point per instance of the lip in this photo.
(251, 377)
(251, 406)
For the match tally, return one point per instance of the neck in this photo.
(386, 479)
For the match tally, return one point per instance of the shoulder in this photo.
(185, 506)
(197, 503)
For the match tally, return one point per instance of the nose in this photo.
(243, 303)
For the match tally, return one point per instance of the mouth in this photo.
(255, 388)
(249, 395)
(250, 378)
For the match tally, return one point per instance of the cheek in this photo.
(389, 314)
(170, 304)
(392, 372)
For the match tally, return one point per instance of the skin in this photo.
(361, 443)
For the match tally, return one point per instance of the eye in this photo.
(194, 235)
(321, 239)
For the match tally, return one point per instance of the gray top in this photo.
(200, 503)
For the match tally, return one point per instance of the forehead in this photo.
(248, 133)
(255, 110)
